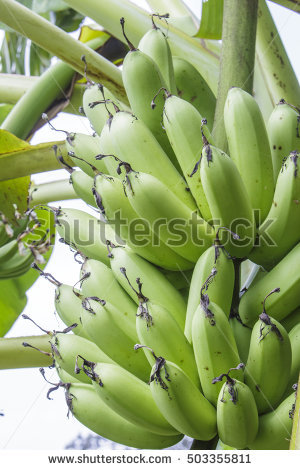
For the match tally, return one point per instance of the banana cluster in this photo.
(160, 319)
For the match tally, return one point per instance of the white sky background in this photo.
(31, 421)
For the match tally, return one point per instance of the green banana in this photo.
(237, 415)
(142, 80)
(86, 148)
(221, 287)
(98, 103)
(17, 265)
(8, 250)
(180, 228)
(155, 44)
(283, 131)
(281, 229)
(64, 377)
(294, 336)
(228, 201)
(83, 186)
(179, 279)
(275, 427)
(249, 148)
(180, 401)
(183, 124)
(85, 233)
(119, 212)
(291, 320)
(269, 362)
(128, 396)
(92, 412)
(285, 275)
(157, 328)
(192, 87)
(100, 321)
(242, 336)
(131, 141)
(155, 286)
(214, 345)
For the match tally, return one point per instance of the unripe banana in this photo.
(17, 265)
(168, 216)
(85, 233)
(130, 140)
(119, 212)
(95, 107)
(157, 328)
(192, 87)
(83, 186)
(283, 131)
(90, 410)
(68, 305)
(142, 80)
(291, 320)
(228, 201)
(8, 250)
(269, 362)
(281, 229)
(155, 286)
(107, 333)
(66, 347)
(286, 276)
(242, 336)
(86, 148)
(181, 402)
(294, 336)
(183, 125)
(237, 415)
(65, 377)
(221, 286)
(155, 44)
(128, 396)
(214, 346)
(275, 427)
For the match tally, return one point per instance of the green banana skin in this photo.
(93, 413)
(237, 415)
(98, 280)
(155, 286)
(242, 336)
(155, 44)
(179, 279)
(108, 335)
(284, 217)
(249, 148)
(98, 115)
(83, 185)
(65, 349)
(192, 87)
(67, 305)
(134, 143)
(157, 328)
(275, 427)
(268, 365)
(85, 233)
(8, 250)
(65, 377)
(86, 148)
(291, 320)
(228, 201)
(130, 397)
(215, 348)
(117, 206)
(283, 134)
(17, 265)
(182, 404)
(220, 289)
(284, 275)
(142, 80)
(294, 336)
(183, 125)
(154, 201)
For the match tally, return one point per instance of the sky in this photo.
(31, 421)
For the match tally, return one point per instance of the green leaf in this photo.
(211, 20)
(4, 111)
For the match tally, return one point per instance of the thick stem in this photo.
(277, 69)
(34, 159)
(50, 192)
(61, 44)
(237, 59)
(13, 355)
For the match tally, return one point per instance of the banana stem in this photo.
(50, 192)
(13, 355)
(295, 437)
(61, 44)
(237, 58)
(277, 69)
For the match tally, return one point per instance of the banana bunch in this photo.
(184, 250)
